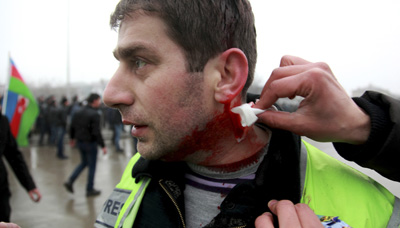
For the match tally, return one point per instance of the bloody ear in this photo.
(233, 68)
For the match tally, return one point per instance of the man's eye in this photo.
(139, 63)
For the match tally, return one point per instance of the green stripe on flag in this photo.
(31, 112)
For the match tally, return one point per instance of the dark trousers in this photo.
(60, 141)
(5, 209)
(117, 135)
(88, 151)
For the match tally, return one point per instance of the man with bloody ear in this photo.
(183, 66)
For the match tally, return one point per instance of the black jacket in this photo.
(163, 203)
(61, 116)
(9, 148)
(85, 126)
(382, 150)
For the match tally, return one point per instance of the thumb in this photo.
(289, 60)
(277, 119)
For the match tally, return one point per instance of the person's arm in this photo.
(17, 163)
(96, 130)
(326, 113)
(365, 130)
(381, 151)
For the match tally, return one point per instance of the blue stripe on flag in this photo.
(12, 100)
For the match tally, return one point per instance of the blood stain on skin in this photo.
(209, 139)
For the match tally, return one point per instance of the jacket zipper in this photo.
(174, 202)
(177, 207)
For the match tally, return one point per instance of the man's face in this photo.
(153, 90)
(96, 103)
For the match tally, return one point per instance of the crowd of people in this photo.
(82, 120)
(53, 122)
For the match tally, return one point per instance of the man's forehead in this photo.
(138, 24)
(138, 14)
(142, 32)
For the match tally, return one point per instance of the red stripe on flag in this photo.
(15, 73)
(16, 120)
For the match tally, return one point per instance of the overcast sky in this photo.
(359, 39)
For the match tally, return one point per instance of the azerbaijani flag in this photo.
(20, 106)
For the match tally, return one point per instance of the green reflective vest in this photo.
(123, 204)
(330, 188)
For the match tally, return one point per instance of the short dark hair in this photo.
(92, 97)
(63, 100)
(203, 28)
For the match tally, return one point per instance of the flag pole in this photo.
(68, 72)
(5, 96)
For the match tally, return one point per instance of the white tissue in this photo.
(248, 115)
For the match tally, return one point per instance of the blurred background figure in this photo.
(14, 157)
(86, 130)
(61, 126)
(49, 116)
(74, 107)
(40, 121)
(117, 127)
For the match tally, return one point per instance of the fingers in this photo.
(289, 60)
(307, 84)
(286, 212)
(289, 216)
(35, 195)
(284, 120)
(8, 225)
(264, 221)
(324, 98)
(293, 70)
(306, 216)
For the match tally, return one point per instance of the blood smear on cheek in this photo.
(209, 138)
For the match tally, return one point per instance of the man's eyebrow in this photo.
(127, 52)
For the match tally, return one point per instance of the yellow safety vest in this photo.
(121, 208)
(330, 188)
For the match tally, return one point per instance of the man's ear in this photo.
(233, 68)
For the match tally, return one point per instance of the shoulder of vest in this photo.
(332, 188)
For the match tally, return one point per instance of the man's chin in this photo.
(149, 153)
(148, 156)
(158, 151)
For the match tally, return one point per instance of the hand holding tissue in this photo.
(248, 115)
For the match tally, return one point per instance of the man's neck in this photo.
(229, 155)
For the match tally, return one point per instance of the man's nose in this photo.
(117, 91)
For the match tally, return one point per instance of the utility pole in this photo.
(68, 71)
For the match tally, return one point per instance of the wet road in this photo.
(60, 209)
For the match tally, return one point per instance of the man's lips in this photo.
(138, 130)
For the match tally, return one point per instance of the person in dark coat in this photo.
(15, 159)
(61, 126)
(85, 129)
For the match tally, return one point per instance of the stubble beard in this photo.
(171, 133)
